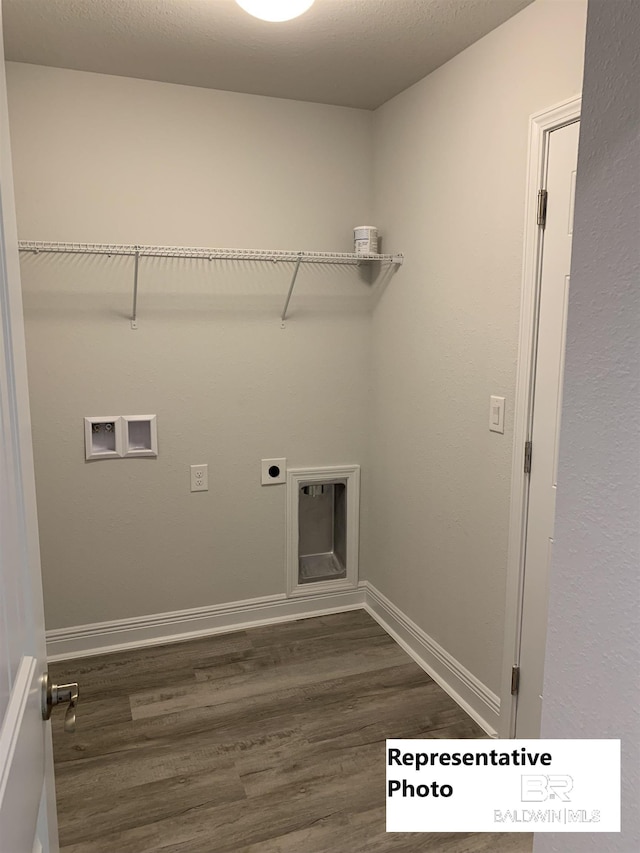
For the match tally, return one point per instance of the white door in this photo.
(27, 800)
(547, 404)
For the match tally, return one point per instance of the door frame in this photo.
(22, 726)
(541, 125)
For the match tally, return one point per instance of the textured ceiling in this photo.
(356, 53)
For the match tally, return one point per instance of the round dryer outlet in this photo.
(274, 471)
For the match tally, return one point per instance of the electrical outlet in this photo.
(199, 478)
(274, 471)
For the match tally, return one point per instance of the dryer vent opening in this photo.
(322, 532)
(323, 511)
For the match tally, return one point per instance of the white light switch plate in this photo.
(199, 478)
(496, 414)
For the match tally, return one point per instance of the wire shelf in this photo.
(267, 255)
(273, 255)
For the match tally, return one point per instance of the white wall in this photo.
(593, 652)
(450, 170)
(100, 158)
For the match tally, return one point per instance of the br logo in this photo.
(539, 788)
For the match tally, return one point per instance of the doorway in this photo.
(553, 161)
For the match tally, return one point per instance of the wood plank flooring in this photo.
(269, 740)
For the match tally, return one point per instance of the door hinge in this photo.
(542, 208)
(515, 680)
(527, 457)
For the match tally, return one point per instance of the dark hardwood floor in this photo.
(269, 740)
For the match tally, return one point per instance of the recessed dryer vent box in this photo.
(103, 437)
(140, 435)
(322, 529)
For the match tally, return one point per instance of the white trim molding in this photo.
(173, 627)
(465, 689)
(123, 634)
(540, 126)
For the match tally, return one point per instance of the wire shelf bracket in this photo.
(134, 309)
(291, 286)
(273, 256)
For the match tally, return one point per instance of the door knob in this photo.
(58, 694)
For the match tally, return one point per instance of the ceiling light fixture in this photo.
(275, 10)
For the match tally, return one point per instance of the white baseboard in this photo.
(161, 628)
(104, 637)
(469, 692)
